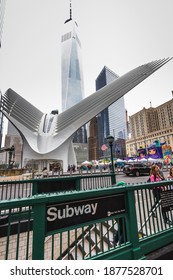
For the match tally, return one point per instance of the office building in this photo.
(93, 151)
(149, 125)
(112, 120)
(1, 124)
(2, 11)
(72, 72)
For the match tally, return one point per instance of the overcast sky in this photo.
(121, 34)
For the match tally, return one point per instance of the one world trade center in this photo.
(71, 71)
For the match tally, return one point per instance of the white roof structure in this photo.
(48, 136)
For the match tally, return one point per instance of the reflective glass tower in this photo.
(112, 120)
(71, 65)
(1, 124)
(71, 71)
(2, 11)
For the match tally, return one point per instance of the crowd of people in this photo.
(71, 168)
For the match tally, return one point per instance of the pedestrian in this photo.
(73, 168)
(120, 234)
(160, 170)
(170, 175)
(156, 176)
(68, 169)
(44, 172)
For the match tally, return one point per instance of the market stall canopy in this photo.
(143, 159)
(86, 163)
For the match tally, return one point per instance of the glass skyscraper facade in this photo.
(1, 123)
(2, 11)
(71, 66)
(103, 117)
(72, 72)
(112, 120)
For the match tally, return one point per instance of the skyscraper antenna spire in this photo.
(70, 10)
(70, 18)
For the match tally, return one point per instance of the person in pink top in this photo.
(156, 176)
(170, 178)
(170, 175)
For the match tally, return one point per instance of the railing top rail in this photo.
(61, 197)
(58, 178)
(149, 185)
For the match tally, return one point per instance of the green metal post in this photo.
(78, 184)
(132, 225)
(39, 225)
(34, 187)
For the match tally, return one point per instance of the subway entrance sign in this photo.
(80, 212)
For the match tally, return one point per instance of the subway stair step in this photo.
(92, 244)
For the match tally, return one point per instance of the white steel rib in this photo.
(31, 122)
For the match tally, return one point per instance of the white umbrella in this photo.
(152, 159)
(86, 163)
(130, 160)
(119, 160)
(143, 159)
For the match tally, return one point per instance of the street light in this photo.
(110, 140)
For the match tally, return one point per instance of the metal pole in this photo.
(112, 164)
(110, 140)
(39, 225)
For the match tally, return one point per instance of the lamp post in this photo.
(110, 140)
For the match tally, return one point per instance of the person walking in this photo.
(120, 234)
(155, 176)
(45, 172)
(170, 175)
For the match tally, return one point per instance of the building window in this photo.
(66, 37)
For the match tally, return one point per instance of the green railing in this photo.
(27, 188)
(130, 232)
